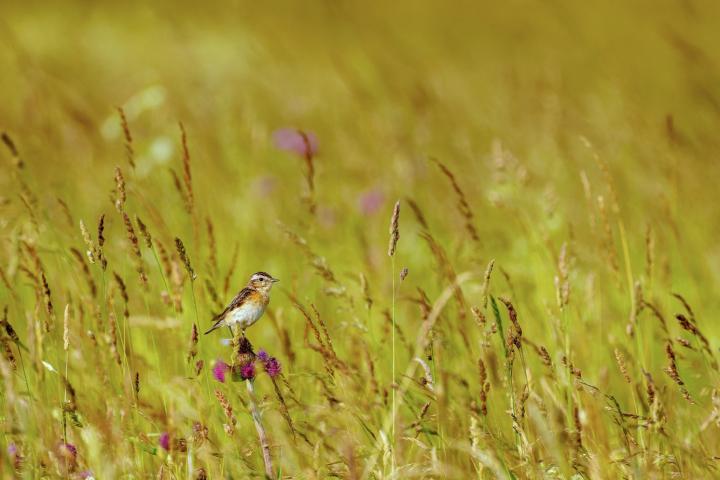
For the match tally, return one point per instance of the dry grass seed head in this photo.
(187, 175)
(120, 194)
(185, 258)
(394, 229)
(129, 153)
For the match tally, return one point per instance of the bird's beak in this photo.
(274, 280)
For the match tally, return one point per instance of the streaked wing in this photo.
(236, 302)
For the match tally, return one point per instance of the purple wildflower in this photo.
(263, 356)
(371, 201)
(272, 367)
(86, 474)
(296, 141)
(247, 371)
(69, 451)
(219, 370)
(15, 456)
(164, 440)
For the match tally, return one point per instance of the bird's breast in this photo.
(250, 311)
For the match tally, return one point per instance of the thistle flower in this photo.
(247, 371)
(68, 453)
(371, 201)
(164, 441)
(219, 371)
(263, 356)
(272, 367)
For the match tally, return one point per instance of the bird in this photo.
(248, 305)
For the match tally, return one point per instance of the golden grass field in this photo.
(556, 167)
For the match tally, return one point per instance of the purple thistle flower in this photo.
(263, 355)
(371, 201)
(12, 450)
(296, 141)
(219, 370)
(164, 440)
(272, 367)
(86, 474)
(69, 451)
(247, 371)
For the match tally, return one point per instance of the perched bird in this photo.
(248, 305)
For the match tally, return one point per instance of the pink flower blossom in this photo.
(263, 356)
(371, 201)
(68, 453)
(164, 441)
(272, 367)
(247, 371)
(219, 370)
(296, 141)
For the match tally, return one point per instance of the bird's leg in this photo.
(232, 334)
(243, 333)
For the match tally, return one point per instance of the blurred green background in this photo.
(538, 108)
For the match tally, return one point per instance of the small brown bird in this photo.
(248, 305)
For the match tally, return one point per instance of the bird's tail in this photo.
(218, 324)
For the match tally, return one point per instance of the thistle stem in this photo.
(257, 420)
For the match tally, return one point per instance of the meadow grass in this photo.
(543, 305)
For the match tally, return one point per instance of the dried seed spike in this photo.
(463, 204)
(89, 244)
(672, 370)
(128, 138)
(13, 149)
(686, 305)
(578, 428)
(418, 213)
(564, 283)
(120, 195)
(187, 176)
(101, 230)
(192, 350)
(112, 321)
(144, 232)
(484, 386)
(212, 257)
(649, 254)
(403, 273)
(66, 211)
(394, 229)
(101, 242)
(486, 281)
(607, 242)
(48, 299)
(517, 334)
(650, 389)
(620, 358)
(135, 244)
(86, 270)
(66, 328)
(185, 258)
(545, 356)
(227, 408)
(181, 190)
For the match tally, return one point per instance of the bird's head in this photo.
(262, 281)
